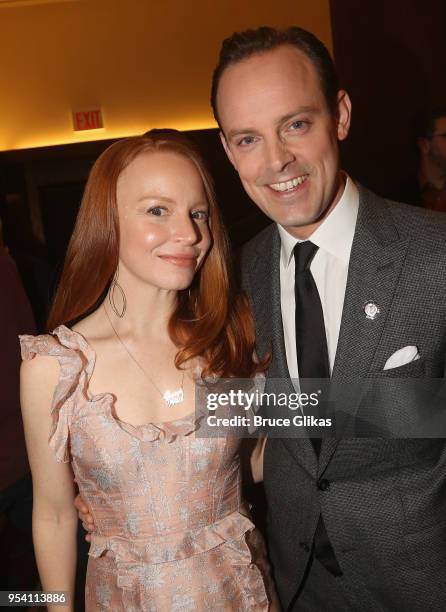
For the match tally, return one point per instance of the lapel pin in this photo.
(372, 310)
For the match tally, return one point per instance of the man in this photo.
(431, 142)
(427, 184)
(353, 524)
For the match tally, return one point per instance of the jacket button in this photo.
(305, 546)
(323, 484)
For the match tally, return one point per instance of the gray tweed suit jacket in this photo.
(385, 505)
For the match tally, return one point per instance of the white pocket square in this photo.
(402, 357)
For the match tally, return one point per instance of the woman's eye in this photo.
(156, 211)
(202, 215)
(298, 125)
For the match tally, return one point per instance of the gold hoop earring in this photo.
(111, 297)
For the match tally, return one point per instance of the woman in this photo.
(146, 283)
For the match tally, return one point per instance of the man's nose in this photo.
(279, 155)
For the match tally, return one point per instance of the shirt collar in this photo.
(335, 234)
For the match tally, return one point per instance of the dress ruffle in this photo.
(167, 431)
(230, 530)
(76, 360)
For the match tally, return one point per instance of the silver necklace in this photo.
(170, 397)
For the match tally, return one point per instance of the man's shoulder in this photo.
(260, 244)
(255, 256)
(417, 217)
(411, 222)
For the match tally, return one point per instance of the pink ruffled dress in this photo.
(172, 533)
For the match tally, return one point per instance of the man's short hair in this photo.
(424, 124)
(242, 45)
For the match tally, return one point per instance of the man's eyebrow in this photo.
(233, 133)
(150, 196)
(303, 109)
(283, 119)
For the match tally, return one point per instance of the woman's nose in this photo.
(185, 230)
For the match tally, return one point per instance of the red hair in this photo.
(210, 320)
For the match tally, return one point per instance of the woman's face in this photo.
(163, 220)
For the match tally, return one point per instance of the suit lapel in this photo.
(265, 287)
(376, 261)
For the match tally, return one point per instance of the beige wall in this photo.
(146, 63)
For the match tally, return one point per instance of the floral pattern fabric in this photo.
(172, 534)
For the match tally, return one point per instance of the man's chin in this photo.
(300, 227)
(285, 215)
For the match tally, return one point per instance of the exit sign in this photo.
(87, 120)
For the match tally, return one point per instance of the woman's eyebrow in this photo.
(149, 196)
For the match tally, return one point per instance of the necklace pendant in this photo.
(173, 397)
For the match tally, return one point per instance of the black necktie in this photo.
(312, 361)
(311, 343)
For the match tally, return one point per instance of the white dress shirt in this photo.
(329, 268)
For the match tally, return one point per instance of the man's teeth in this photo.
(288, 185)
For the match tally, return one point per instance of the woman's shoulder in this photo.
(62, 353)
(40, 370)
(38, 365)
(52, 379)
(39, 352)
(52, 344)
(55, 368)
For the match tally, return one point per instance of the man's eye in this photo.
(246, 140)
(202, 215)
(298, 125)
(156, 211)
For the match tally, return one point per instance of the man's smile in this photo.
(290, 186)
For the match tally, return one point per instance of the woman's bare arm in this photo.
(54, 515)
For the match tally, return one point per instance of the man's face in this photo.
(281, 137)
(437, 145)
